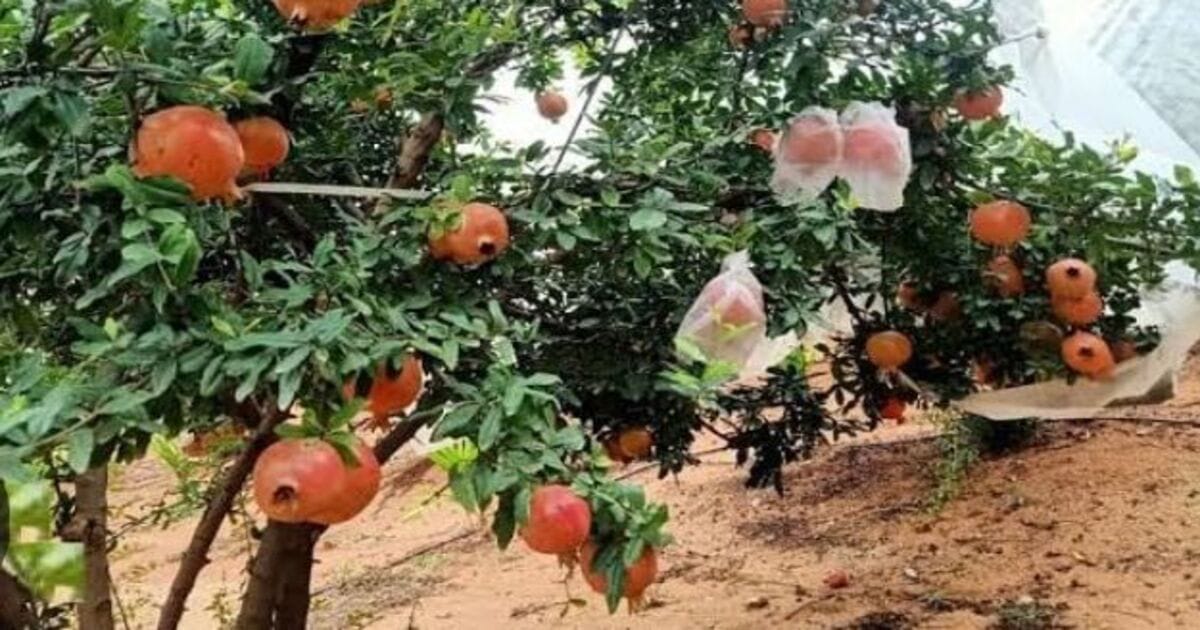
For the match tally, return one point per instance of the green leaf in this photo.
(80, 445)
(139, 255)
(633, 552)
(163, 376)
(288, 385)
(504, 525)
(292, 360)
(251, 58)
(521, 504)
(462, 486)
(489, 429)
(452, 423)
(165, 216)
(647, 219)
(513, 397)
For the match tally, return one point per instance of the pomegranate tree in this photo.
(538, 290)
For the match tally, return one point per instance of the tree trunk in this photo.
(90, 524)
(277, 595)
(196, 556)
(16, 604)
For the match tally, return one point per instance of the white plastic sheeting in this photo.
(1063, 83)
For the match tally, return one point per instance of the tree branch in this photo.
(196, 556)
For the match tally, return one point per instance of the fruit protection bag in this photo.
(728, 321)
(876, 158)
(808, 155)
(865, 147)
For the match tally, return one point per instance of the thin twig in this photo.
(593, 88)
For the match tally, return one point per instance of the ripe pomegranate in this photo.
(481, 236)
(893, 409)
(389, 392)
(1070, 278)
(1084, 311)
(359, 486)
(552, 105)
(316, 14)
(1004, 276)
(265, 144)
(979, 105)
(763, 139)
(638, 578)
(298, 478)
(765, 13)
(559, 521)
(946, 308)
(635, 443)
(192, 144)
(1000, 223)
(1088, 355)
(889, 350)
(811, 141)
(908, 296)
(740, 35)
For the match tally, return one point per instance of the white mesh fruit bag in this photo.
(876, 156)
(808, 155)
(728, 321)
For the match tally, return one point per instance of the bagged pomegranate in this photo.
(876, 157)
(728, 321)
(808, 154)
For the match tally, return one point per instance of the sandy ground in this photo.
(1095, 526)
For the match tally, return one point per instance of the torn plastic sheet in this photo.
(1174, 308)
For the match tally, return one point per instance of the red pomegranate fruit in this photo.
(559, 521)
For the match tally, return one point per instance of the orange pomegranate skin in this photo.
(296, 479)
(552, 105)
(889, 350)
(481, 236)
(193, 144)
(359, 487)
(265, 143)
(765, 13)
(980, 105)
(1000, 223)
(1070, 278)
(316, 14)
(1088, 355)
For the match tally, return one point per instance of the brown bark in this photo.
(16, 604)
(90, 525)
(196, 557)
(277, 595)
(415, 150)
